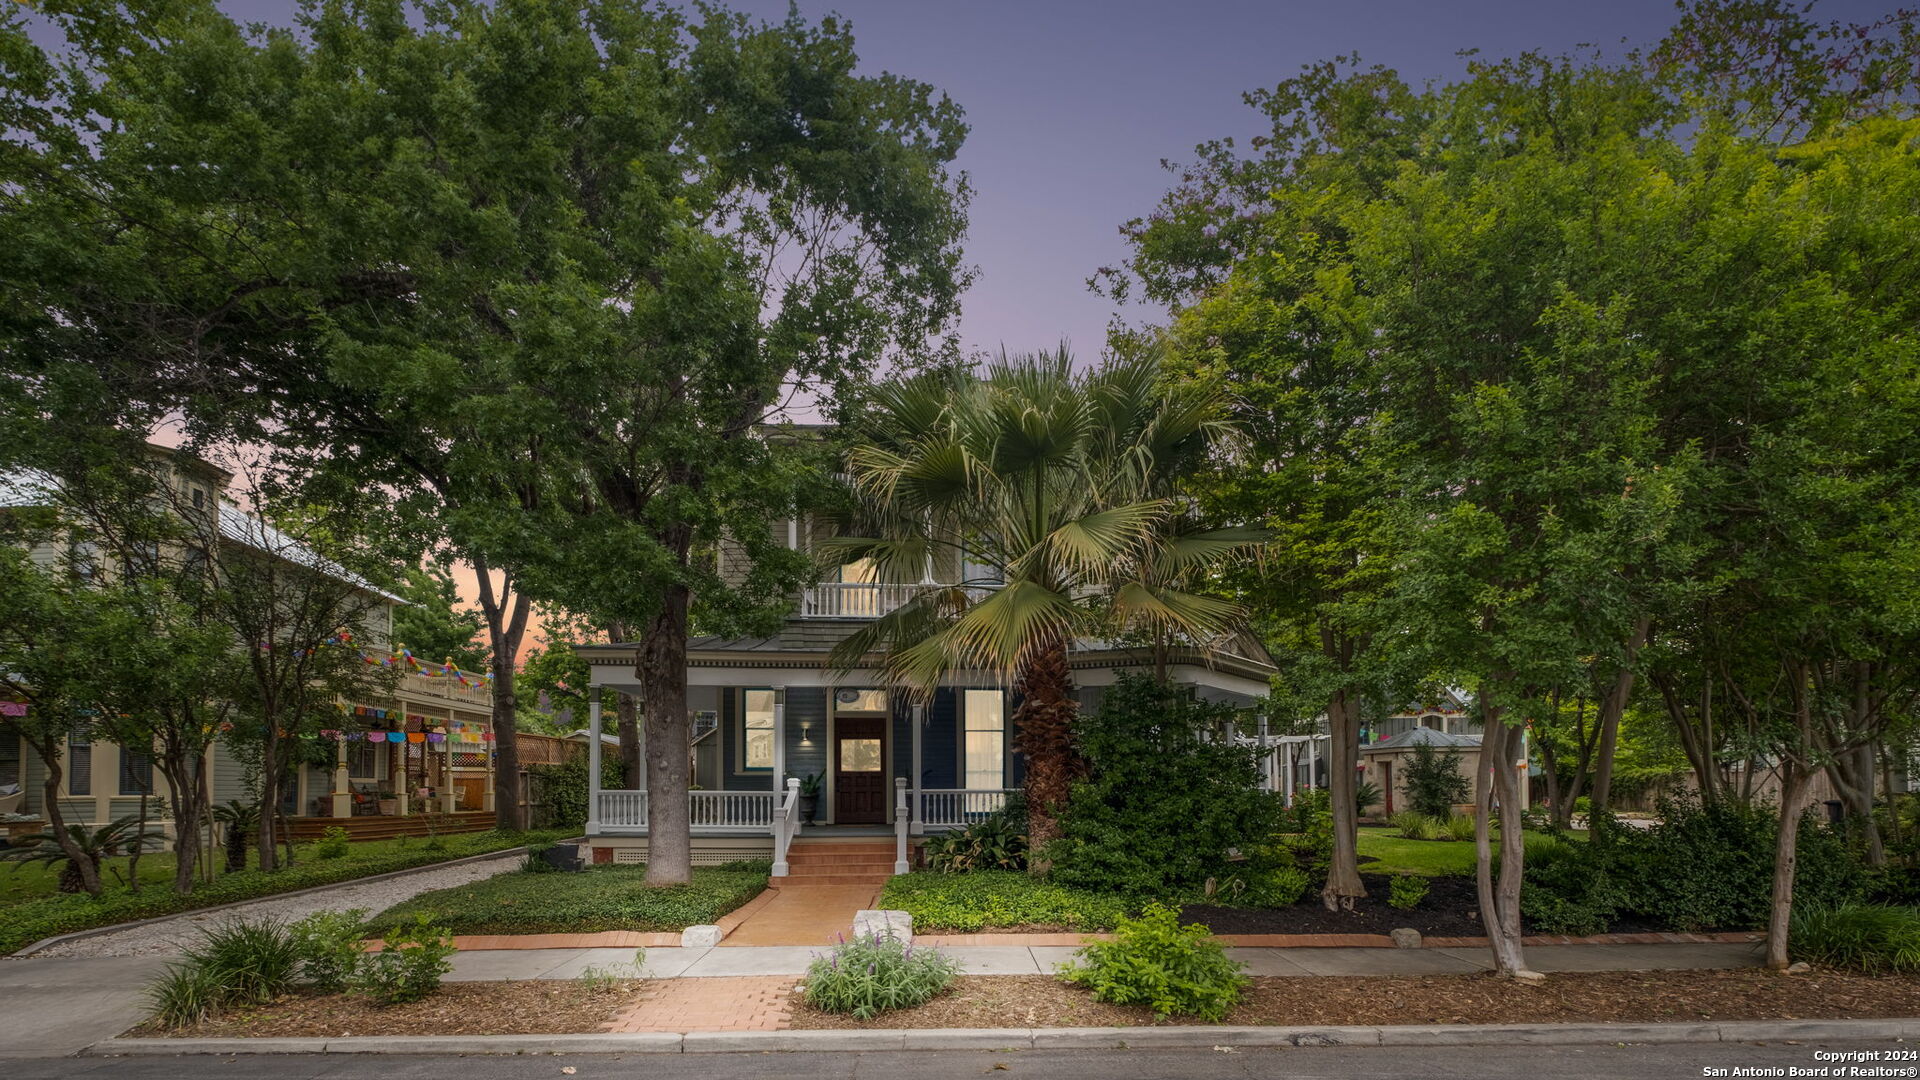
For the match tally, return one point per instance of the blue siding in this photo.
(807, 705)
(940, 742)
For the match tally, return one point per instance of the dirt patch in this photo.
(997, 1001)
(493, 1008)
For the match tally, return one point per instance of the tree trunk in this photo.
(1795, 786)
(270, 773)
(183, 795)
(1044, 726)
(510, 815)
(1613, 705)
(663, 690)
(85, 869)
(1852, 773)
(1343, 752)
(1499, 902)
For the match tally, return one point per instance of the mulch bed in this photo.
(490, 1008)
(998, 1001)
(1451, 909)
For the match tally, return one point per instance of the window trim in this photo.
(965, 729)
(740, 766)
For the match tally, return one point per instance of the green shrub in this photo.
(995, 842)
(238, 962)
(965, 903)
(535, 862)
(560, 791)
(409, 967)
(334, 843)
(1311, 840)
(1459, 827)
(1279, 887)
(1873, 938)
(28, 922)
(1365, 793)
(1406, 891)
(1583, 805)
(875, 973)
(1154, 961)
(1414, 825)
(328, 945)
(1433, 782)
(183, 995)
(600, 898)
(1164, 806)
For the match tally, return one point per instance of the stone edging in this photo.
(77, 935)
(1141, 1038)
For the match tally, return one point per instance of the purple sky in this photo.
(1073, 103)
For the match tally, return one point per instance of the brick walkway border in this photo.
(1348, 941)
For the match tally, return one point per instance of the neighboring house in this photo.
(774, 707)
(370, 778)
(1384, 763)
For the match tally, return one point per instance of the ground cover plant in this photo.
(876, 973)
(1874, 938)
(1154, 961)
(601, 898)
(41, 916)
(965, 903)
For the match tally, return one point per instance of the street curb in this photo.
(79, 935)
(991, 1039)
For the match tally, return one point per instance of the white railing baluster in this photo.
(951, 808)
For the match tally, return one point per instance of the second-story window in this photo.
(756, 729)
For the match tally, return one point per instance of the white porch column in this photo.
(1313, 764)
(918, 811)
(899, 824)
(779, 740)
(1289, 749)
(593, 766)
(342, 793)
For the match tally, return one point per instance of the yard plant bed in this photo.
(1451, 909)
(502, 1008)
(1001, 1001)
(602, 898)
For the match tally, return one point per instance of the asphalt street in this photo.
(1343, 1063)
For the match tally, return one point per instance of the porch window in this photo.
(756, 729)
(79, 765)
(362, 760)
(984, 747)
(136, 772)
(9, 758)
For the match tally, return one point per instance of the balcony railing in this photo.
(864, 599)
(447, 688)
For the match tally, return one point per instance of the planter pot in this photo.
(389, 807)
(809, 805)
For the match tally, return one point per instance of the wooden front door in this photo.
(1386, 785)
(859, 770)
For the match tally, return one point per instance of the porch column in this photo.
(449, 796)
(1288, 779)
(779, 740)
(918, 811)
(1313, 763)
(342, 789)
(593, 767)
(487, 798)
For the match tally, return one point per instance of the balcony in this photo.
(476, 694)
(865, 599)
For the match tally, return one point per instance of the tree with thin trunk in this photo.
(1061, 487)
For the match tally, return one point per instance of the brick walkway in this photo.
(751, 1003)
(809, 915)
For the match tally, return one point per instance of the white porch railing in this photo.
(707, 811)
(786, 822)
(953, 808)
(852, 599)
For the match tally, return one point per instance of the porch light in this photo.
(806, 733)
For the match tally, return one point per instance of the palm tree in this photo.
(117, 837)
(1061, 486)
(240, 819)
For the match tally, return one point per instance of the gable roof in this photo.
(1425, 736)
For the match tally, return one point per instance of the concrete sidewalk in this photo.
(725, 961)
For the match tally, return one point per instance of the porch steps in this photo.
(845, 862)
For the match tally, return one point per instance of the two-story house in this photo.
(426, 745)
(770, 708)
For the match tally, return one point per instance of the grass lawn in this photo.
(1432, 858)
(34, 910)
(602, 898)
(964, 903)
